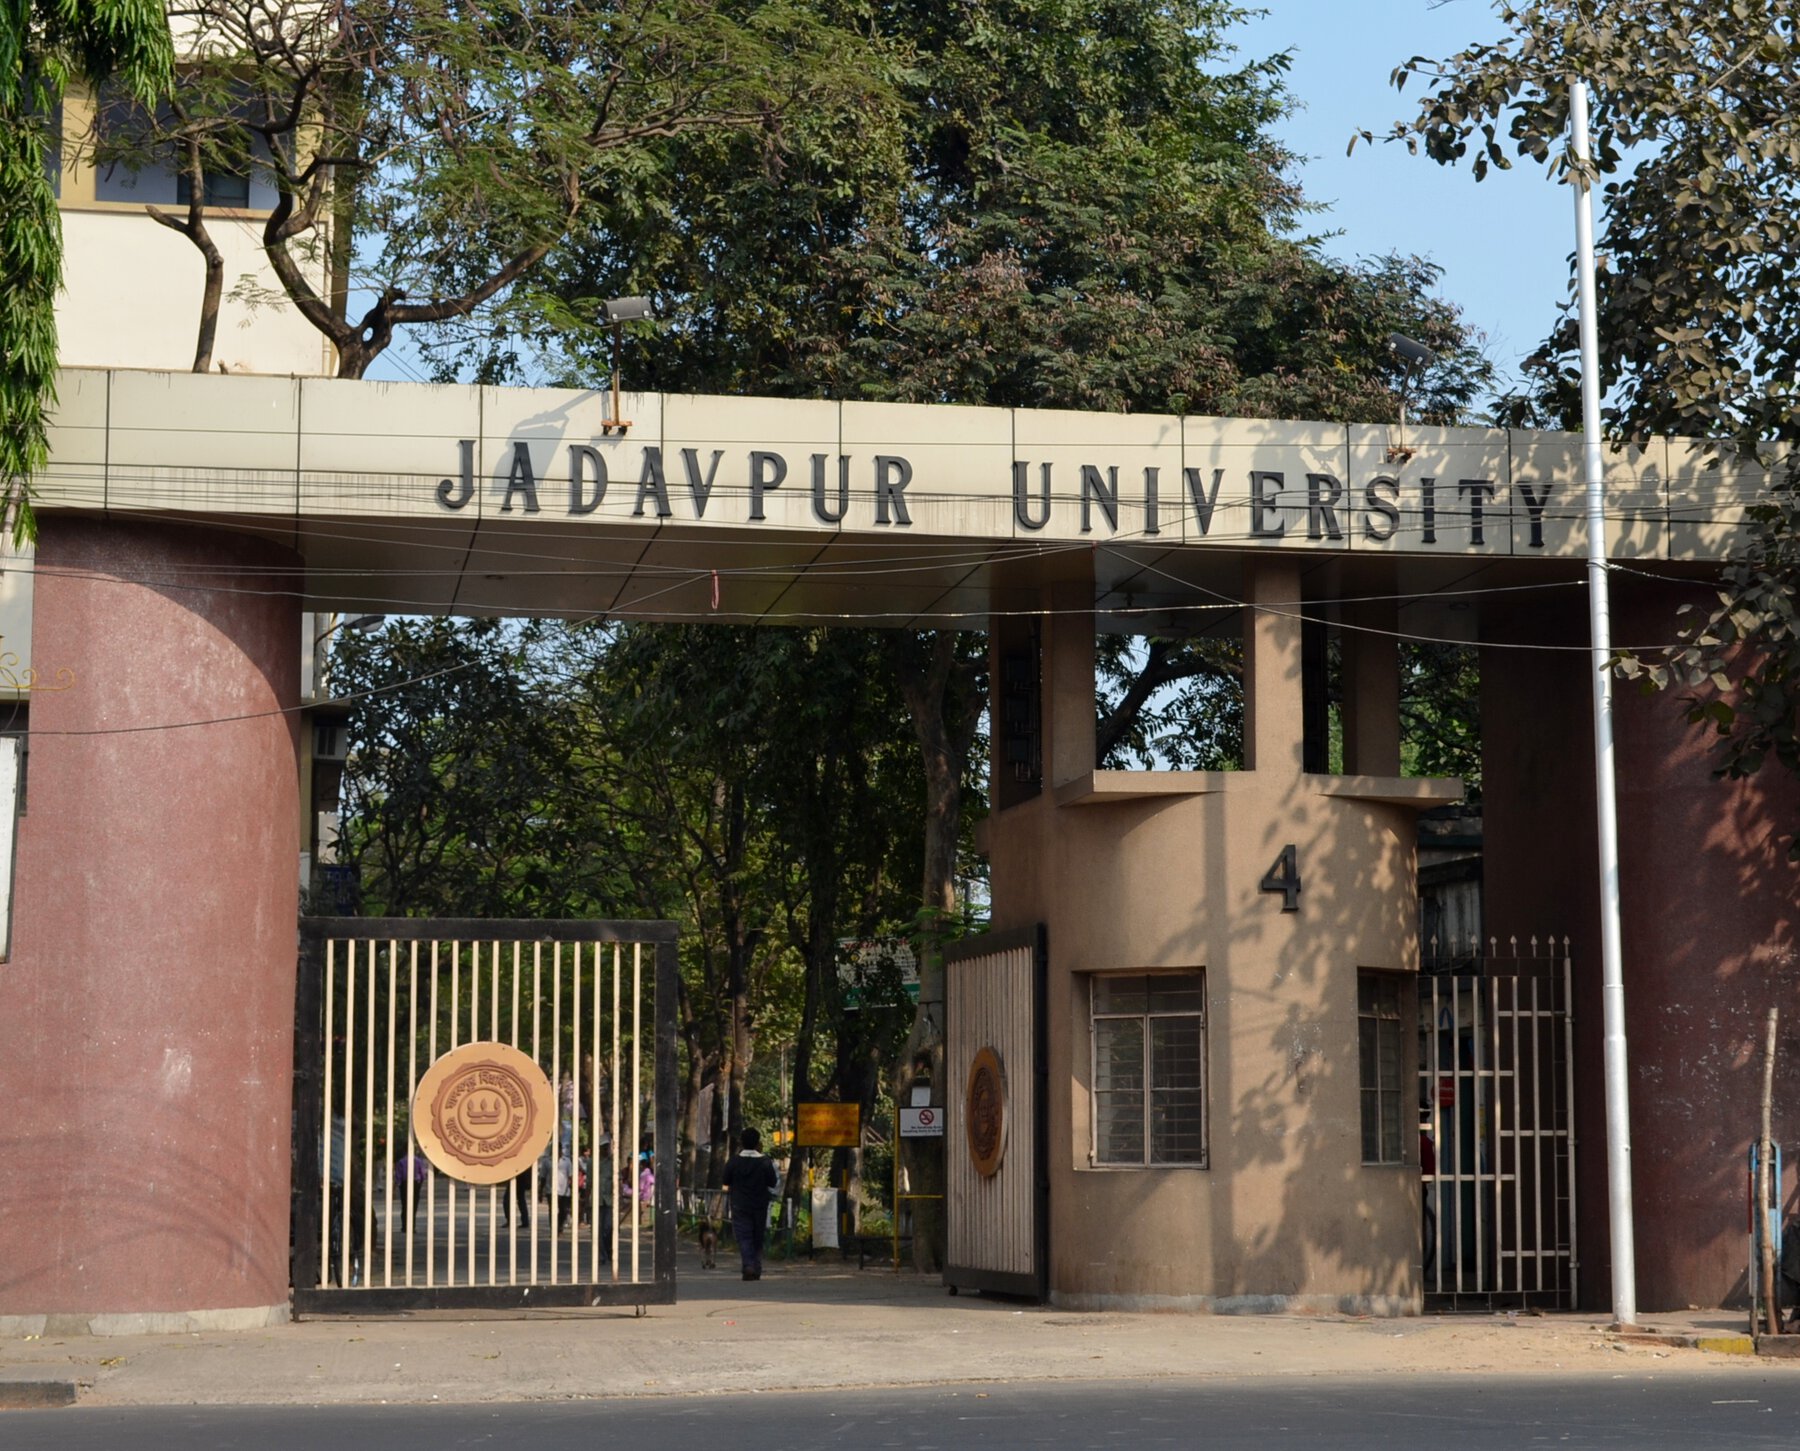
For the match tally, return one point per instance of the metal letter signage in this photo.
(1284, 877)
(984, 1113)
(483, 1113)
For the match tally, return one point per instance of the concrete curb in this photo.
(36, 1395)
(1715, 1341)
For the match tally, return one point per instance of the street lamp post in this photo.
(1416, 356)
(619, 311)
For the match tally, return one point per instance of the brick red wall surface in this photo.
(146, 1016)
(1709, 918)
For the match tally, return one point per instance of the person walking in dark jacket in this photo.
(750, 1178)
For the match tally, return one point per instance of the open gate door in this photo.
(996, 1172)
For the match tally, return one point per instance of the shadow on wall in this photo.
(1310, 1213)
(1709, 906)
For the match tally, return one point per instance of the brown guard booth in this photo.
(1134, 871)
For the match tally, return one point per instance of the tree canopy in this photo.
(427, 156)
(1696, 148)
(1065, 204)
(44, 45)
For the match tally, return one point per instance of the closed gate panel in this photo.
(511, 1172)
(1496, 1101)
(995, 1181)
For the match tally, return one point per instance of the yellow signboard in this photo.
(829, 1125)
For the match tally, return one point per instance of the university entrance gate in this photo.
(187, 522)
(476, 1105)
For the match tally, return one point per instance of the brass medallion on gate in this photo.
(984, 1112)
(483, 1113)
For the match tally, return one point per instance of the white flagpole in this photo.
(1618, 1104)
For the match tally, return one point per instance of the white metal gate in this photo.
(1496, 1091)
(995, 1170)
(379, 1000)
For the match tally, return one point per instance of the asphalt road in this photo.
(1715, 1409)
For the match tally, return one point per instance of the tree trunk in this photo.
(210, 296)
(193, 227)
(944, 699)
(688, 1171)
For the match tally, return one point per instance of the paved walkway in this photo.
(804, 1327)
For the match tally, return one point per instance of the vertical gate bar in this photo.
(556, 1084)
(1449, 1137)
(387, 1178)
(664, 1091)
(537, 1189)
(1568, 1141)
(613, 1108)
(1518, 1148)
(1485, 1280)
(330, 1118)
(575, 1113)
(412, 1082)
(472, 1228)
(1462, 989)
(1426, 1097)
(1558, 1143)
(1434, 1272)
(431, 1053)
(514, 1209)
(637, 1099)
(348, 1167)
(494, 1189)
(596, 1198)
(452, 1196)
(474, 1036)
(1537, 1129)
(368, 1186)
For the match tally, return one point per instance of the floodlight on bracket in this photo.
(1416, 356)
(618, 311)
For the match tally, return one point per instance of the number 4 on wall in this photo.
(1284, 877)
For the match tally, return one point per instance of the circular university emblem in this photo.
(483, 1113)
(984, 1112)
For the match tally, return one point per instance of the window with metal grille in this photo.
(1149, 1080)
(1378, 1002)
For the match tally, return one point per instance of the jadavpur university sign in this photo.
(332, 448)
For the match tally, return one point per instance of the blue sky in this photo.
(1503, 243)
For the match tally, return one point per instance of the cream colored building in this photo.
(132, 287)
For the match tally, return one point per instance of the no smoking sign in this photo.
(921, 1123)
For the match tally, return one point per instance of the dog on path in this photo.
(709, 1244)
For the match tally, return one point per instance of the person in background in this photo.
(1428, 1193)
(750, 1181)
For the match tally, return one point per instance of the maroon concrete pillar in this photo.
(146, 1015)
(1711, 912)
(1708, 906)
